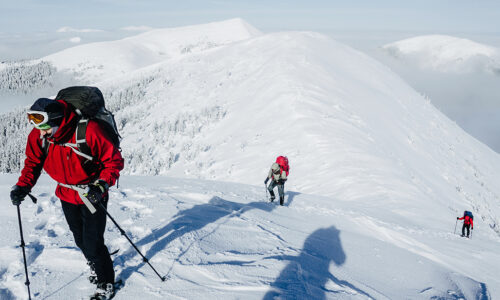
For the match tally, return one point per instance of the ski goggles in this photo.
(39, 119)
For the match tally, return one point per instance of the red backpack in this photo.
(283, 162)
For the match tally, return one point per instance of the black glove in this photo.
(458, 218)
(18, 193)
(267, 179)
(97, 191)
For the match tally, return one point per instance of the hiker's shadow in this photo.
(306, 275)
(290, 198)
(184, 222)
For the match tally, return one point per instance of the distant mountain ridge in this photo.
(446, 54)
(95, 62)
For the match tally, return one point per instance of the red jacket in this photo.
(63, 164)
(467, 220)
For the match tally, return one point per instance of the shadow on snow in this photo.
(291, 195)
(306, 275)
(184, 222)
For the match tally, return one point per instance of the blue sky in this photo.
(29, 28)
(441, 15)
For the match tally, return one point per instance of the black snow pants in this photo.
(88, 231)
(281, 188)
(468, 229)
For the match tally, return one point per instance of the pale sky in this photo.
(36, 27)
(442, 15)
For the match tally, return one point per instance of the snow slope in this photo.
(446, 54)
(219, 240)
(346, 123)
(378, 175)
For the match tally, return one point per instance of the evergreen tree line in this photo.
(25, 76)
(14, 130)
(168, 137)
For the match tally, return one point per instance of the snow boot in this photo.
(93, 276)
(282, 200)
(272, 196)
(104, 291)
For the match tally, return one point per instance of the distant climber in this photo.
(278, 175)
(468, 222)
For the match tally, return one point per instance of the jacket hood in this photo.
(67, 126)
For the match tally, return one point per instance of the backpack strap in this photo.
(81, 140)
(80, 147)
(45, 145)
(73, 147)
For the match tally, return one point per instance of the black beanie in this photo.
(54, 110)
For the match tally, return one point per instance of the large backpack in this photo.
(468, 213)
(88, 103)
(283, 162)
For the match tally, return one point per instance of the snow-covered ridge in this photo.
(95, 62)
(446, 54)
(358, 124)
(377, 174)
(351, 128)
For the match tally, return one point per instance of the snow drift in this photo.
(374, 167)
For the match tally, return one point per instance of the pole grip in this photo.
(81, 192)
(86, 201)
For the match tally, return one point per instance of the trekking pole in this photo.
(82, 192)
(144, 259)
(455, 232)
(27, 283)
(267, 197)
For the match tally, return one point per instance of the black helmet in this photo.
(46, 113)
